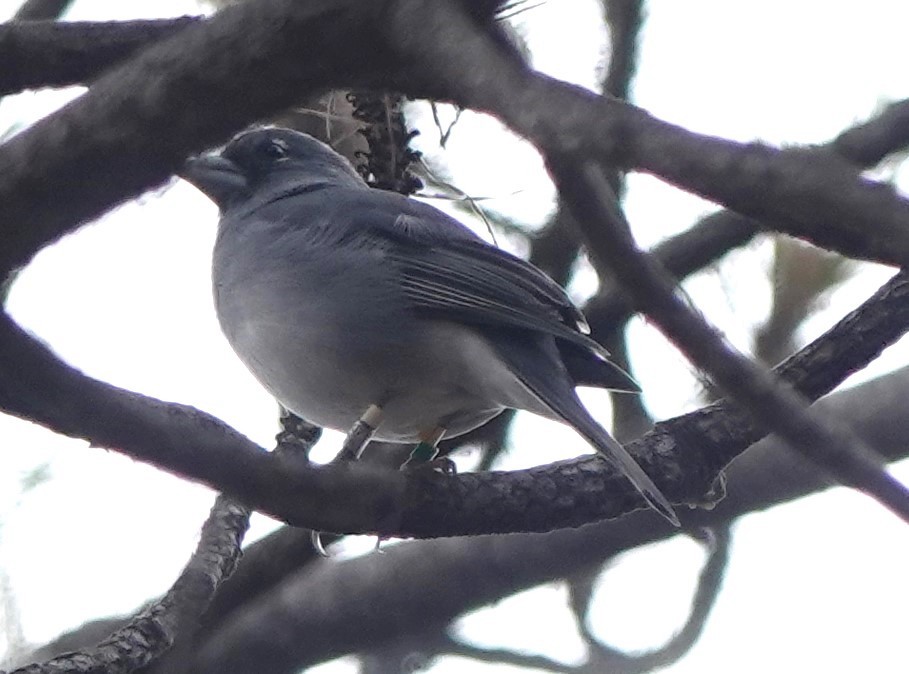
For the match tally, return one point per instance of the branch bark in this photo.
(358, 612)
(127, 134)
(368, 601)
(772, 404)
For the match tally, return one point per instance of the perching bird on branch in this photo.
(366, 311)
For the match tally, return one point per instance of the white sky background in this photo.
(812, 586)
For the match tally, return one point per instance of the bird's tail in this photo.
(543, 371)
(613, 451)
(565, 404)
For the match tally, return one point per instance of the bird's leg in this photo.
(360, 434)
(354, 444)
(427, 450)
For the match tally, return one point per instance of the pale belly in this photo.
(448, 378)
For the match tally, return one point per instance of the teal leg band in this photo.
(423, 453)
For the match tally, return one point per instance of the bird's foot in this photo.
(441, 464)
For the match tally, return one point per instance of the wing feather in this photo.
(477, 283)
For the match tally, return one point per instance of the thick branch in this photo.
(137, 123)
(36, 386)
(811, 194)
(370, 601)
(48, 54)
(128, 133)
(364, 593)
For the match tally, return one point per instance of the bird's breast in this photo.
(328, 340)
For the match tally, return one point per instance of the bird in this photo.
(357, 305)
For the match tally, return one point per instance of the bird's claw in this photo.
(442, 465)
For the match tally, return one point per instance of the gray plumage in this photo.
(338, 297)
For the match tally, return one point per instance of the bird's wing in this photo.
(445, 270)
(463, 278)
(485, 285)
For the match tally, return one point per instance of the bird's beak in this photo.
(219, 178)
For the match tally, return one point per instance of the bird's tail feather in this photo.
(539, 366)
(589, 369)
(567, 406)
(610, 448)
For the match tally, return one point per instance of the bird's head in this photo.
(266, 162)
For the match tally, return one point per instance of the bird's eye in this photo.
(275, 149)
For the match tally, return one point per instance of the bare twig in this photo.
(366, 592)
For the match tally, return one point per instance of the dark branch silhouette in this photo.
(368, 590)
(768, 474)
(289, 50)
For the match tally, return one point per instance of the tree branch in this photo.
(868, 143)
(99, 150)
(811, 194)
(369, 601)
(363, 593)
(35, 385)
(777, 407)
(50, 54)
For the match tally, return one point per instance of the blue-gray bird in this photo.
(346, 301)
